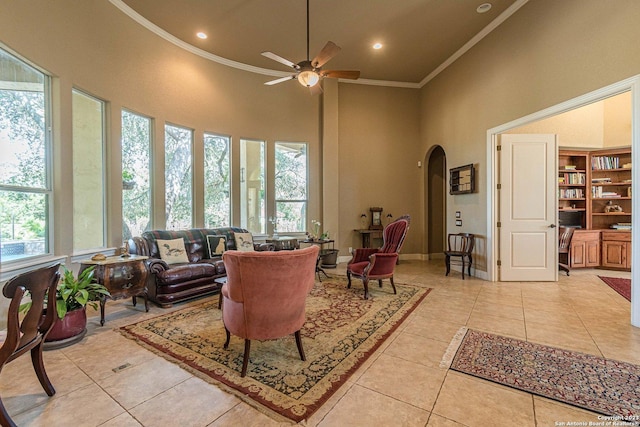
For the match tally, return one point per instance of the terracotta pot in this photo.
(73, 325)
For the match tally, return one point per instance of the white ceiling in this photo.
(419, 36)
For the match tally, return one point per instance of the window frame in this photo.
(229, 180)
(9, 266)
(275, 183)
(192, 164)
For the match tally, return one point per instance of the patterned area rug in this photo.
(342, 330)
(621, 286)
(600, 385)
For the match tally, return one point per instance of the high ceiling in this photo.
(417, 35)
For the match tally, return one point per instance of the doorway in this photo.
(435, 199)
(631, 85)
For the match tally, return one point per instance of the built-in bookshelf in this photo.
(611, 189)
(573, 179)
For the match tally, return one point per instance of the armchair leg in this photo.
(447, 263)
(5, 419)
(245, 361)
(348, 279)
(38, 366)
(380, 282)
(393, 285)
(365, 282)
(299, 344)
(226, 343)
(470, 262)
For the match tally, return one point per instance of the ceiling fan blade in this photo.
(328, 51)
(341, 74)
(280, 59)
(280, 80)
(316, 89)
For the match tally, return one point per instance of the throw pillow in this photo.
(217, 245)
(244, 242)
(172, 251)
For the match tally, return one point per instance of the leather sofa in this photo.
(172, 283)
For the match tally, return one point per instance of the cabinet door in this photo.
(578, 254)
(614, 254)
(629, 255)
(592, 253)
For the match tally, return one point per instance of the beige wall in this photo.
(378, 159)
(548, 52)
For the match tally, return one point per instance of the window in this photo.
(217, 190)
(25, 187)
(252, 194)
(136, 174)
(88, 172)
(178, 177)
(290, 187)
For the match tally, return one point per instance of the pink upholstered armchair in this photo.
(378, 264)
(265, 295)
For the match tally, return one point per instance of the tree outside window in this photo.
(291, 186)
(217, 189)
(178, 177)
(25, 190)
(136, 174)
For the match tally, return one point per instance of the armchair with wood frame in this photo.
(265, 295)
(378, 264)
(27, 334)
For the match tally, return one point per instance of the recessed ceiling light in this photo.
(201, 35)
(484, 7)
(377, 46)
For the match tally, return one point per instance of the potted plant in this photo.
(73, 294)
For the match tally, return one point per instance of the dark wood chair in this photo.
(28, 335)
(564, 244)
(460, 245)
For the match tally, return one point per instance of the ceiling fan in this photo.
(309, 72)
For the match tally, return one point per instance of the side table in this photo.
(321, 254)
(123, 277)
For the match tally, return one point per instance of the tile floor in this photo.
(400, 385)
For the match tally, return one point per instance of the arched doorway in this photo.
(435, 200)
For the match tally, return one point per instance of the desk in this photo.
(367, 235)
(123, 277)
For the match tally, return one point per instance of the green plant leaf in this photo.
(61, 308)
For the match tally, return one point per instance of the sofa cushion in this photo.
(216, 244)
(244, 242)
(173, 251)
(186, 272)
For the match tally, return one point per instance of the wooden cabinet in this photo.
(616, 249)
(123, 277)
(594, 195)
(585, 249)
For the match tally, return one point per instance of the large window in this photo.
(88, 172)
(217, 190)
(178, 176)
(290, 187)
(252, 185)
(136, 175)
(25, 188)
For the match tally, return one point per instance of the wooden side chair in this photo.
(564, 245)
(460, 245)
(28, 335)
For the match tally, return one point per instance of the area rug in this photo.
(342, 330)
(600, 385)
(620, 285)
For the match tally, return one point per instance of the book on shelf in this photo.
(569, 167)
(600, 180)
(621, 226)
(605, 162)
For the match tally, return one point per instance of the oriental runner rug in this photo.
(594, 383)
(342, 330)
(620, 285)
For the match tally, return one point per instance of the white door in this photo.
(528, 208)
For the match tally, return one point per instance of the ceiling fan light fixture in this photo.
(308, 78)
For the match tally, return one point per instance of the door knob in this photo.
(552, 226)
